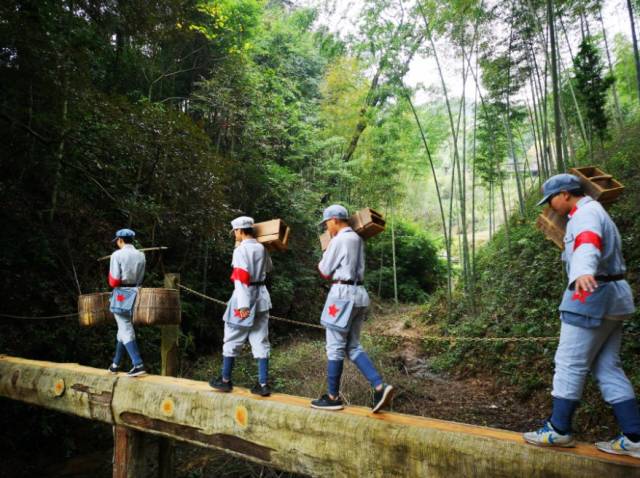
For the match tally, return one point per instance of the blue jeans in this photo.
(581, 351)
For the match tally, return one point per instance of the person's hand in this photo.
(244, 313)
(586, 283)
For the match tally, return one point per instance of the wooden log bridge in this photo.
(283, 432)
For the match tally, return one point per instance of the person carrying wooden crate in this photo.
(247, 313)
(594, 305)
(345, 310)
(126, 272)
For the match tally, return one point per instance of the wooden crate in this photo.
(552, 225)
(598, 184)
(366, 222)
(274, 234)
(325, 239)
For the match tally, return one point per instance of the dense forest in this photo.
(172, 117)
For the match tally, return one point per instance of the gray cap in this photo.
(335, 211)
(558, 183)
(124, 233)
(242, 222)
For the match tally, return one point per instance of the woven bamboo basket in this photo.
(93, 309)
(154, 306)
(157, 306)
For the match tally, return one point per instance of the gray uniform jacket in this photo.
(593, 246)
(127, 266)
(344, 260)
(251, 263)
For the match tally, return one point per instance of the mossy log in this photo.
(282, 431)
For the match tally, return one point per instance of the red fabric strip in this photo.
(113, 282)
(588, 237)
(322, 275)
(573, 210)
(241, 275)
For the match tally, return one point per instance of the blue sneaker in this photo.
(548, 436)
(620, 446)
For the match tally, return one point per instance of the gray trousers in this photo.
(347, 343)
(591, 350)
(258, 335)
(125, 329)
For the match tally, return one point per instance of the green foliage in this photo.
(419, 269)
(592, 87)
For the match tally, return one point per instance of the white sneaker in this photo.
(620, 446)
(547, 436)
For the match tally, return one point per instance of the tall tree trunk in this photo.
(532, 123)
(393, 255)
(556, 87)
(634, 38)
(506, 217)
(509, 135)
(614, 90)
(57, 177)
(375, 97)
(583, 131)
(440, 205)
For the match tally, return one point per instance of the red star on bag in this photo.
(581, 296)
(120, 298)
(333, 310)
(236, 313)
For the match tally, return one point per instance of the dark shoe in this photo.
(382, 398)
(220, 385)
(262, 390)
(113, 368)
(326, 403)
(137, 371)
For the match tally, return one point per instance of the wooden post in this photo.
(129, 458)
(169, 353)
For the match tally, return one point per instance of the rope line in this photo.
(46, 317)
(221, 302)
(426, 338)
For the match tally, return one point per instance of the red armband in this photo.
(241, 275)
(588, 237)
(113, 282)
(322, 275)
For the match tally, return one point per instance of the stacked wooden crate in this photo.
(552, 225)
(274, 234)
(598, 184)
(366, 222)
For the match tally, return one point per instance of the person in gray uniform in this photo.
(247, 313)
(596, 302)
(345, 311)
(126, 272)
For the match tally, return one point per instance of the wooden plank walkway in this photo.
(282, 431)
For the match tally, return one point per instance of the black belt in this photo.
(128, 285)
(257, 283)
(611, 278)
(348, 282)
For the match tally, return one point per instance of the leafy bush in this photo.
(418, 269)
